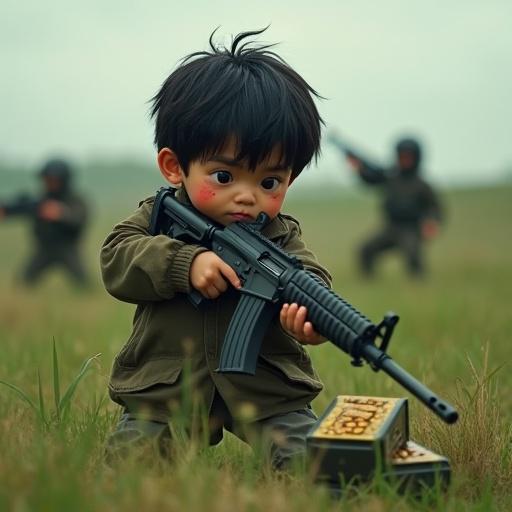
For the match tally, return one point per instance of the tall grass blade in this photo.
(42, 408)
(56, 382)
(23, 396)
(68, 395)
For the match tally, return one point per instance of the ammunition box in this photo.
(356, 436)
(413, 468)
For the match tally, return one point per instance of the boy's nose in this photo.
(245, 196)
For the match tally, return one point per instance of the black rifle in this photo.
(271, 277)
(352, 153)
(22, 205)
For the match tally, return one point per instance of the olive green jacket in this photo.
(170, 334)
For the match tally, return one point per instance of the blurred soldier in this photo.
(58, 217)
(411, 209)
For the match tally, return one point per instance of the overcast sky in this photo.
(76, 77)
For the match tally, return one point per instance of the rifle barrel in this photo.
(385, 363)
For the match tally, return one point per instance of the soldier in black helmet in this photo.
(411, 208)
(58, 219)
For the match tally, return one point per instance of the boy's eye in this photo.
(270, 183)
(222, 177)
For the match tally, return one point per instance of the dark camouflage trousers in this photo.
(281, 438)
(404, 239)
(43, 259)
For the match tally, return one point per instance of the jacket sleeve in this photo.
(138, 267)
(75, 213)
(22, 205)
(294, 245)
(372, 174)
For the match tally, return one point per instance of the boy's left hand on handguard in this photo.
(293, 321)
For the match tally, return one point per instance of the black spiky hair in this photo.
(246, 93)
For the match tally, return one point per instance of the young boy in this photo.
(234, 128)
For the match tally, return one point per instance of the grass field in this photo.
(454, 335)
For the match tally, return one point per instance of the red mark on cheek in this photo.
(204, 195)
(273, 207)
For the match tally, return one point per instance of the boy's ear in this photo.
(169, 166)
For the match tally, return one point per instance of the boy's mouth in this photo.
(241, 216)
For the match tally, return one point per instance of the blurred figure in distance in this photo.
(58, 216)
(411, 210)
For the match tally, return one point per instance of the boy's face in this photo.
(226, 190)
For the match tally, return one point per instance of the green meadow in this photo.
(454, 335)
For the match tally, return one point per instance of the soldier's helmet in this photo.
(410, 147)
(58, 169)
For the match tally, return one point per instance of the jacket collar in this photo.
(276, 228)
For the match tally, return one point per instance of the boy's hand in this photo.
(293, 321)
(210, 275)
